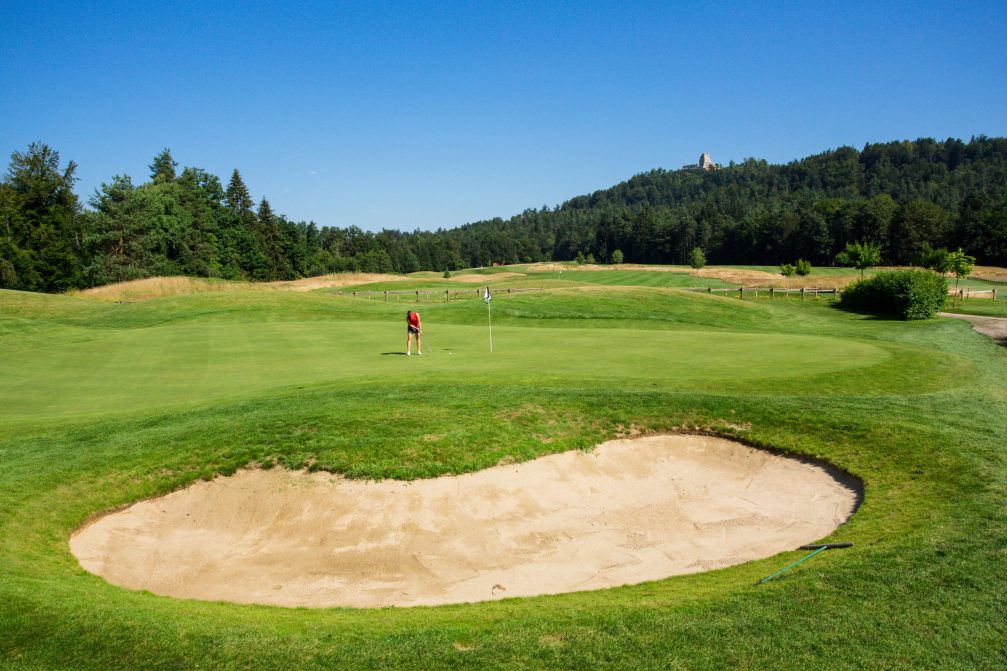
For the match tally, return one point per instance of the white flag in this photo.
(486, 296)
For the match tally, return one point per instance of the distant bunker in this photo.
(627, 512)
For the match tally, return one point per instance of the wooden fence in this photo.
(772, 292)
(968, 292)
(434, 294)
(752, 292)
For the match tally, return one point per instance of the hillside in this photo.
(905, 196)
(902, 195)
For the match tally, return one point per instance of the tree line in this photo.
(907, 198)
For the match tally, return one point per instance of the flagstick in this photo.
(489, 312)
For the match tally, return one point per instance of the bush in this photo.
(697, 259)
(908, 294)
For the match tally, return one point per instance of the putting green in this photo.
(96, 371)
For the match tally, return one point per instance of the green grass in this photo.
(988, 308)
(101, 405)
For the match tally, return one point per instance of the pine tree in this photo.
(163, 167)
(237, 195)
(42, 233)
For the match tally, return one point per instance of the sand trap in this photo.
(627, 512)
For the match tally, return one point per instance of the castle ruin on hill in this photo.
(705, 163)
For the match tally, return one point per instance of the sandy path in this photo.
(994, 327)
(627, 512)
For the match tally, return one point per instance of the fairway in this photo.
(103, 405)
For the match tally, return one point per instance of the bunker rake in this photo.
(816, 548)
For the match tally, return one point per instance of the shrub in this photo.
(697, 259)
(908, 294)
(617, 256)
(803, 267)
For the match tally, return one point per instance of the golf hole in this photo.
(627, 512)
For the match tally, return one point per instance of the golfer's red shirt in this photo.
(414, 319)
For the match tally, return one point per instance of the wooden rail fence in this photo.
(772, 292)
(448, 294)
(968, 292)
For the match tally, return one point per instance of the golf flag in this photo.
(489, 314)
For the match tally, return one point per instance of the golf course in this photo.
(107, 400)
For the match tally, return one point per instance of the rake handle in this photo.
(827, 546)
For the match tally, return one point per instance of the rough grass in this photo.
(916, 410)
(156, 287)
(160, 287)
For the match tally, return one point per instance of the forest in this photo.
(908, 197)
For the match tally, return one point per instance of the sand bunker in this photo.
(627, 512)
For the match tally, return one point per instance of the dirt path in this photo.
(627, 512)
(994, 327)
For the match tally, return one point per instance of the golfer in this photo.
(413, 326)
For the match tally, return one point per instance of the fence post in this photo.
(386, 296)
(772, 292)
(802, 293)
(994, 294)
(368, 295)
(741, 293)
(354, 294)
(447, 298)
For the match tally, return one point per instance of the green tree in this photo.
(803, 268)
(961, 265)
(937, 260)
(272, 244)
(237, 195)
(918, 222)
(697, 259)
(860, 255)
(162, 169)
(617, 257)
(41, 222)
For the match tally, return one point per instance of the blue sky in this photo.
(424, 115)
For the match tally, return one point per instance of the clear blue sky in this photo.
(424, 115)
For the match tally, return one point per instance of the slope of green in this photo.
(103, 404)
